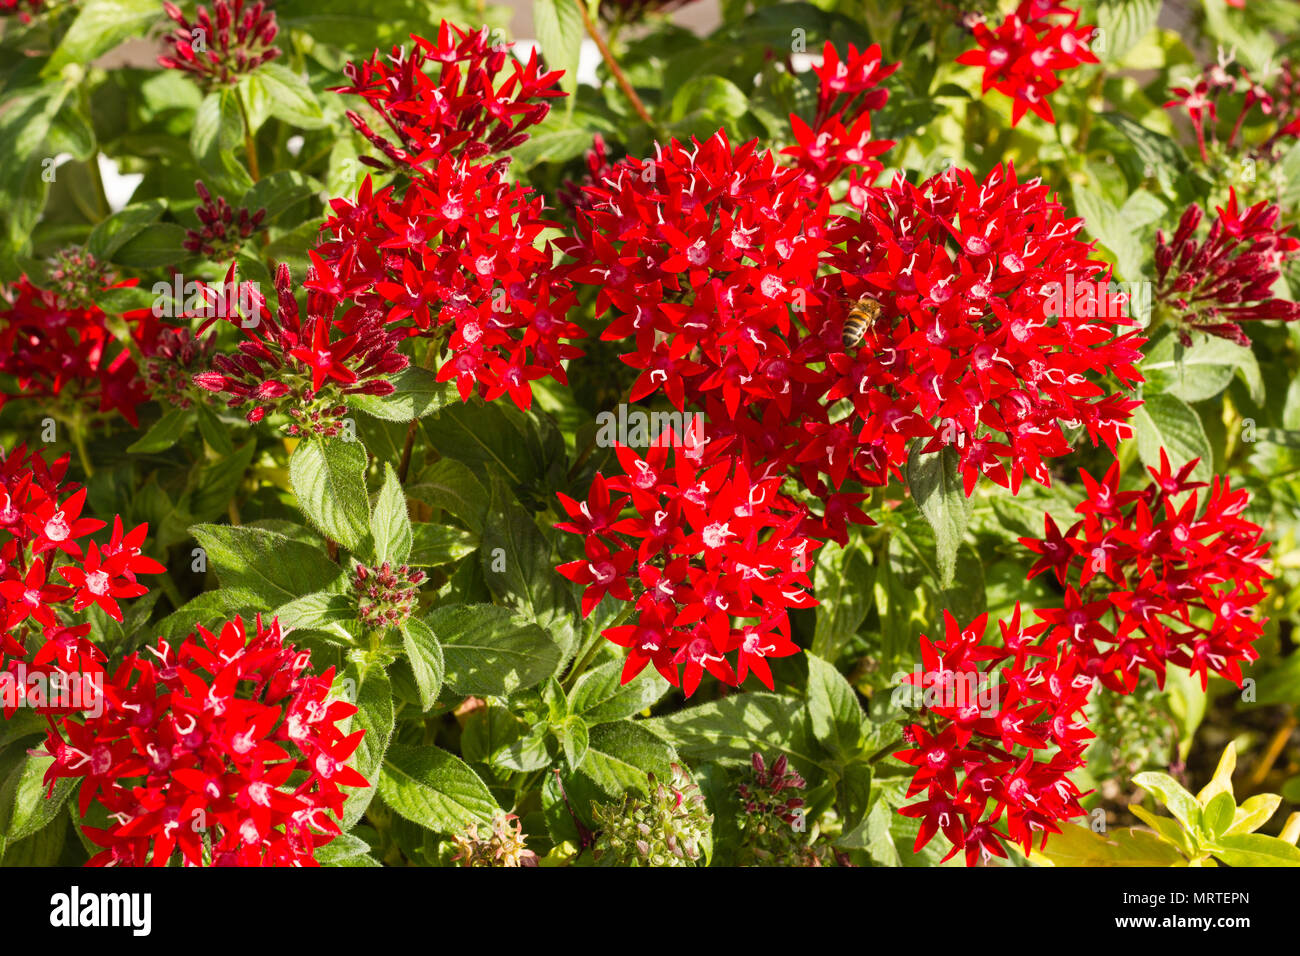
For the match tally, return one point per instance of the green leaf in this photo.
(1163, 421)
(219, 481)
(1112, 229)
(216, 139)
(159, 245)
(329, 478)
(266, 563)
(731, 730)
(619, 756)
(278, 193)
(1169, 830)
(1125, 23)
(573, 734)
(519, 570)
(716, 96)
(101, 25)
(390, 525)
(426, 657)
(209, 609)
(844, 579)
(341, 850)
(1221, 782)
(551, 146)
(24, 809)
(1200, 372)
(418, 393)
(837, 717)
(490, 651)
(319, 611)
(434, 789)
(559, 30)
(288, 96)
(111, 234)
(213, 431)
(450, 485)
(437, 544)
(1255, 849)
(853, 794)
(1079, 846)
(1165, 157)
(164, 433)
(374, 702)
(1218, 814)
(1178, 801)
(599, 696)
(124, 299)
(936, 486)
(1253, 813)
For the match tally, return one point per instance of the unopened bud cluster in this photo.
(503, 845)
(667, 828)
(169, 367)
(76, 276)
(315, 417)
(223, 229)
(386, 595)
(218, 48)
(772, 803)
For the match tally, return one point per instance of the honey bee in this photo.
(861, 317)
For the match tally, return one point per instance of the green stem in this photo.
(250, 147)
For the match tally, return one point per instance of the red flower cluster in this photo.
(58, 346)
(220, 47)
(998, 705)
(225, 748)
(48, 571)
(840, 136)
(467, 111)
(707, 258)
(705, 543)
(1228, 277)
(1022, 58)
(996, 329)
(456, 252)
(305, 367)
(1150, 580)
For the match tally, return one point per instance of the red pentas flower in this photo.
(1225, 86)
(839, 138)
(305, 366)
(50, 571)
(1154, 578)
(1006, 729)
(1211, 285)
(456, 255)
(225, 748)
(220, 47)
(57, 345)
(709, 552)
(996, 328)
(448, 96)
(704, 258)
(1023, 57)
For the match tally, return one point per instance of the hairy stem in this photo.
(619, 76)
